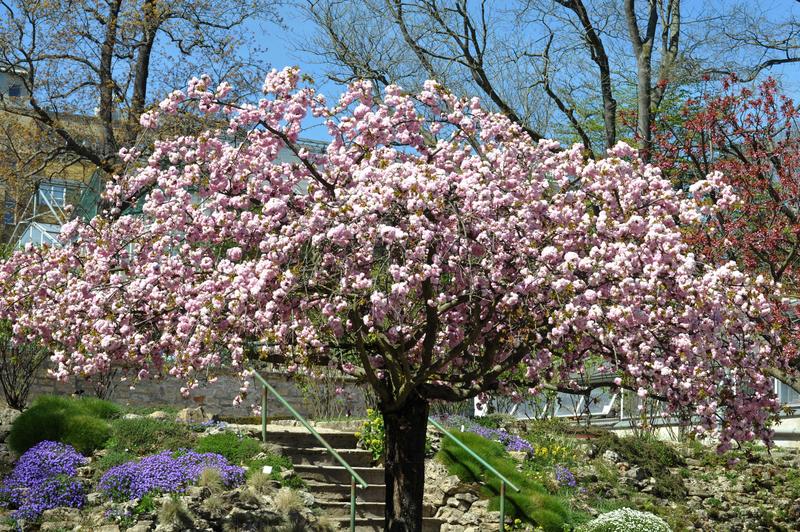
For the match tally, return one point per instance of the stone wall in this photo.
(313, 399)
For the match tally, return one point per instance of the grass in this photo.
(80, 422)
(142, 436)
(279, 464)
(214, 505)
(212, 479)
(174, 512)
(288, 500)
(237, 449)
(532, 504)
(260, 482)
(110, 459)
(654, 457)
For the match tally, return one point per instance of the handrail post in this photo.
(264, 414)
(268, 388)
(502, 506)
(484, 463)
(352, 504)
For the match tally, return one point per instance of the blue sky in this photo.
(282, 43)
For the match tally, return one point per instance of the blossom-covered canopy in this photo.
(433, 248)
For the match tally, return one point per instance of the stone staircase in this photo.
(329, 482)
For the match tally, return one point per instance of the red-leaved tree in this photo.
(750, 136)
(433, 248)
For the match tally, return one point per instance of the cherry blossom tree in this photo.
(434, 249)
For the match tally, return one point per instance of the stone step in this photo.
(341, 492)
(376, 524)
(342, 509)
(297, 439)
(338, 474)
(321, 456)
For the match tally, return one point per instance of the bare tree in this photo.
(570, 57)
(754, 38)
(90, 67)
(409, 41)
(20, 364)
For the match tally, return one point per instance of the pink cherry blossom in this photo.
(432, 246)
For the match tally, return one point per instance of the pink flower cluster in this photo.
(446, 252)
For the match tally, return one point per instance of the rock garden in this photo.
(87, 464)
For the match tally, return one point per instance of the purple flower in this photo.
(43, 478)
(165, 472)
(512, 442)
(564, 476)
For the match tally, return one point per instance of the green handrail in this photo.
(355, 477)
(484, 463)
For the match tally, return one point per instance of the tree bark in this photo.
(405, 429)
(597, 50)
(142, 69)
(643, 48)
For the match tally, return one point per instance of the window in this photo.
(38, 234)
(601, 403)
(786, 394)
(9, 213)
(15, 90)
(53, 193)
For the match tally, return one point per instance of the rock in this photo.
(481, 505)
(141, 526)
(6, 456)
(635, 473)
(197, 492)
(7, 417)
(286, 474)
(467, 497)
(193, 415)
(94, 498)
(107, 528)
(439, 484)
(85, 472)
(308, 499)
(158, 414)
(64, 516)
(449, 515)
(519, 456)
(611, 456)
(133, 416)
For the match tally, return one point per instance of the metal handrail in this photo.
(354, 477)
(484, 463)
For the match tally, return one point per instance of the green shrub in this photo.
(248, 420)
(531, 504)
(372, 435)
(100, 408)
(77, 422)
(235, 448)
(112, 458)
(34, 425)
(143, 435)
(626, 520)
(87, 433)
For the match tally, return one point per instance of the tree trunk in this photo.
(644, 94)
(405, 464)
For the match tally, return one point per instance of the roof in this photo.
(13, 69)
